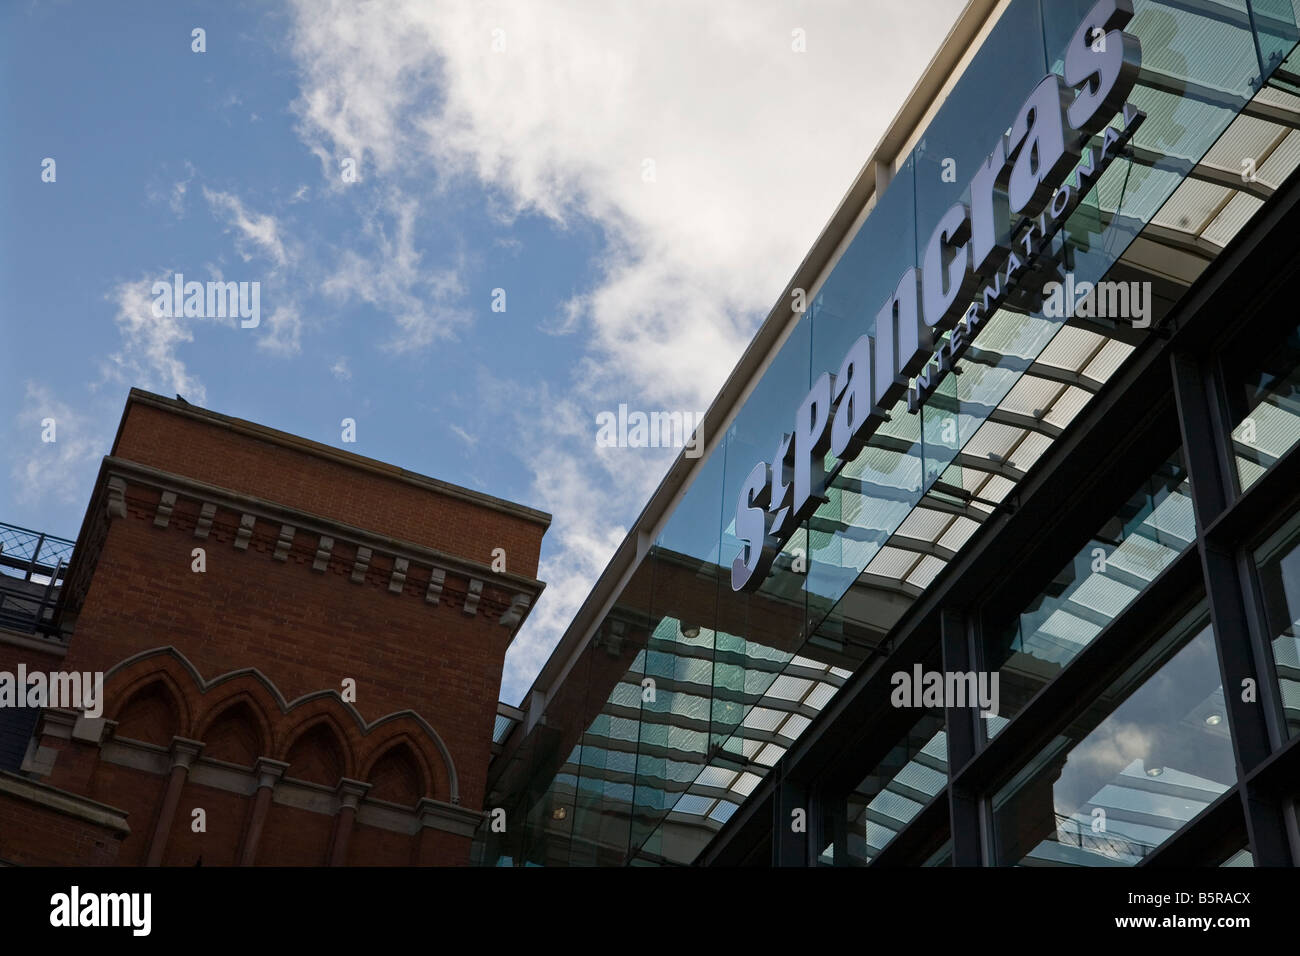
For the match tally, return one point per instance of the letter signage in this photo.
(971, 263)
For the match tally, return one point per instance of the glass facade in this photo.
(1141, 761)
(912, 774)
(1278, 562)
(1121, 559)
(1265, 407)
(689, 692)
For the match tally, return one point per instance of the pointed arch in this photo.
(355, 734)
(318, 754)
(236, 734)
(398, 775)
(151, 713)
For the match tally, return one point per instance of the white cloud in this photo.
(582, 486)
(284, 331)
(60, 470)
(148, 357)
(177, 200)
(578, 549)
(173, 195)
(463, 435)
(752, 145)
(340, 369)
(394, 278)
(261, 232)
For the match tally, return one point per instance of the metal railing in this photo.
(32, 565)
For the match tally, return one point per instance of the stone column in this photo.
(427, 812)
(183, 754)
(268, 773)
(350, 794)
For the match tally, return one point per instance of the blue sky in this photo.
(498, 146)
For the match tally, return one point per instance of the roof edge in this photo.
(320, 450)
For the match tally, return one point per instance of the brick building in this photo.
(303, 644)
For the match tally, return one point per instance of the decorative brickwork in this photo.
(302, 644)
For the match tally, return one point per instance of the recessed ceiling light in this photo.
(1155, 771)
(1214, 720)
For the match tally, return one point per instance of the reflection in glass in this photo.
(1267, 406)
(1275, 30)
(604, 773)
(941, 856)
(1242, 857)
(1278, 560)
(1125, 555)
(897, 788)
(1147, 756)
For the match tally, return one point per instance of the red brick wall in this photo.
(303, 630)
(138, 793)
(306, 631)
(11, 655)
(371, 846)
(295, 837)
(224, 815)
(36, 835)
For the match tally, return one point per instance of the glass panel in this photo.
(1265, 404)
(1147, 756)
(605, 762)
(760, 630)
(676, 686)
(866, 503)
(898, 788)
(883, 248)
(942, 856)
(1242, 857)
(1008, 64)
(873, 493)
(1278, 560)
(1275, 31)
(1126, 554)
(1199, 68)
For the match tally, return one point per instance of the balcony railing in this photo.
(32, 565)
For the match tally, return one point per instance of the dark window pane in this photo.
(1147, 756)
(1278, 560)
(1124, 556)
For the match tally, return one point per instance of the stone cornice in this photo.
(286, 523)
(61, 801)
(44, 645)
(310, 523)
(301, 794)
